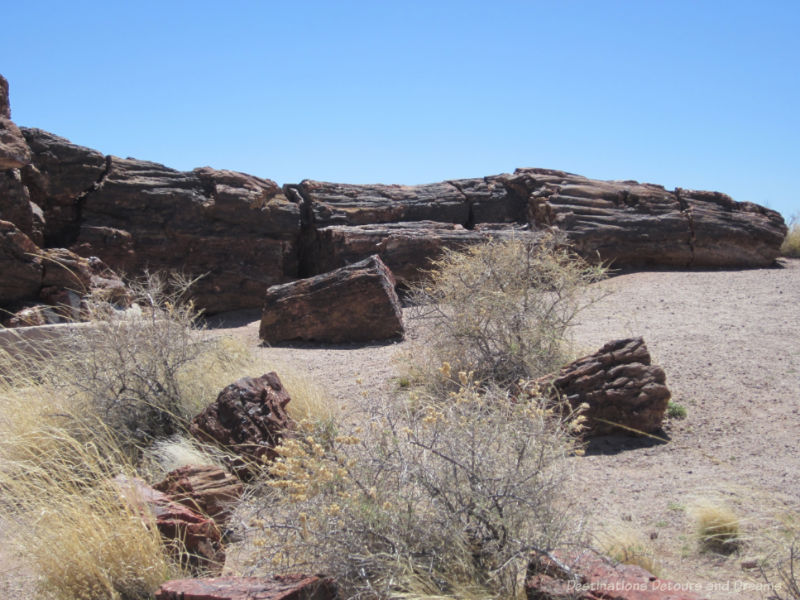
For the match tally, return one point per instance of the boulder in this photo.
(198, 535)
(249, 418)
(281, 587)
(206, 489)
(356, 303)
(632, 224)
(21, 267)
(624, 391)
(594, 577)
(406, 248)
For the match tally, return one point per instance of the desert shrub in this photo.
(501, 309)
(676, 410)
(717, 527)
(786, 578)
(791, 245)
(426, 498)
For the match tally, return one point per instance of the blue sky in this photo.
(701, 95)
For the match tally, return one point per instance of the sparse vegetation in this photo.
(791, 245)
(100, 406)
(627, 546)
(676, 411)
(426, 498)
(501, 309)
(717, 526)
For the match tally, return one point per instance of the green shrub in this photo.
(676, 411)
(501, 309)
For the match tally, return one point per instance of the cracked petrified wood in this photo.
(280, 587)
(249, 418)
(625, 393)
(356, 303)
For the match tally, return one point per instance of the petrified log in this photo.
(20, 265)
(280, 587)
(248, 417)
(633, 224)
(14, 151)
(625, 393)
(356, 303)
(198, 534)
(206, 489)
(592, 577)
(406, 248)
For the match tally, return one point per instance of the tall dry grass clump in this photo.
(791, 245)
(501, 309)
(94, 405)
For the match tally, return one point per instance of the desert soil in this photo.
(729, 342)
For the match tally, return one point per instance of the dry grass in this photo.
(626, 545)
(717, 526)
(791, 245)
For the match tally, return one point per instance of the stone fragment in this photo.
(594, 577)
(281, 587)
(197, 534)
(625, 393)
(356, 303)
(248, 417)
(206, 489)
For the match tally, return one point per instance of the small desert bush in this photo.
(501, 309)
(676, 411)
(717, 527)
(627, 546)
(429, 497)
(791, 245)
(786, 578)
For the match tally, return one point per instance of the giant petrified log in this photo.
(356, 303)
(625, 393)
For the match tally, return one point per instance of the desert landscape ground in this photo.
(729, 342)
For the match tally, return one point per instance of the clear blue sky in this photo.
(692, 94)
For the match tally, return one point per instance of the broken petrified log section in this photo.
(205, 489)
(281, 587)
(624, 391)
(595, 577)
(356, 303)
(248, 418)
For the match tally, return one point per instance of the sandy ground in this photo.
(729, 342)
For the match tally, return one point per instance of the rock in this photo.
(5, 105)
(59, 179)
(633, 224)
(625, 393)
(248, 417)
(16, 206)
(21, 266)
(356, 303)
(177, 523)
(236, 230)
(281, 587)
(595, 577)
(406, 248)
(206, 489)
(14, 151)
